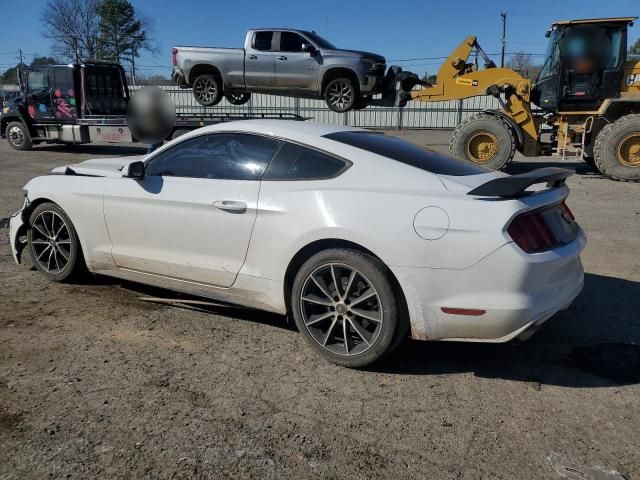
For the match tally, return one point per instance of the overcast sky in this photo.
(397, 29)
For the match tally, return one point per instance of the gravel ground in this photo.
(95, 383)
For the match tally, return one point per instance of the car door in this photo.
(295, 68)
(191, 216)
(259, 60)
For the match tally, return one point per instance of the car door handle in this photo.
(253, 57)
(230, 206)
(282, 58)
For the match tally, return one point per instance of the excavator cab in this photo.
(583, 65)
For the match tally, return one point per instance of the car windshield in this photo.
(407, 152)
(319, 41)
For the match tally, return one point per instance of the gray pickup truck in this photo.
(283, 62)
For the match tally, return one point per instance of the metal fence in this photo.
(414, 115)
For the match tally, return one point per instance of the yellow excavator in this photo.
(585, 101)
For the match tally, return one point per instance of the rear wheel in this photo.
(207, 90)
(238, 98)
(617, 149)
(53, 243)
(18, 136)
(344, 305)
(485, 140)
(340, 94)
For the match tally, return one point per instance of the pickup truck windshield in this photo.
(319, 41)
(407, 152)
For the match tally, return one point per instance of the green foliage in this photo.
(635, 48)
(10, 76)
(121, 31)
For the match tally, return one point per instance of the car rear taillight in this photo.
(531, 232)
(544, 229)
(566, 208)
(174, 59)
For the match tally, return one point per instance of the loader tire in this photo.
(617, 149)
(483, 139)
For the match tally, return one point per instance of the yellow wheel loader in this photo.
(585, 101)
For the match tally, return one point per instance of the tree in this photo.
(122, 33)
(10, 76)
(635, 49)
(522, 63)
(73, 26)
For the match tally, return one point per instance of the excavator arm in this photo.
(457, 79)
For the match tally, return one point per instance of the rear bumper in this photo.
(517, 291)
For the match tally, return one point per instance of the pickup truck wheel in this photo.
(207, 90)
(238, 98)
(18, 136)
(340, 95)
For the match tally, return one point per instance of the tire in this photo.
(207, 90)
(18, 136)
(353, 336)
(46, 223)
(617, 149)
(340, 94)
(483, 139)
(238, 98)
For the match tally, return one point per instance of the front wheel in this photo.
(18, 136)
(617, 149)
(53, 243)
(486, 140)
(340, 95)
(344, 305)
(207, 90)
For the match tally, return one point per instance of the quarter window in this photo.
(295, 162)
(290, 42)
(223, 156)
(263, 41)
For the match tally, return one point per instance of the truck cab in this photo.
(74, 103)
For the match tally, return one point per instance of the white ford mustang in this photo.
(362, 237)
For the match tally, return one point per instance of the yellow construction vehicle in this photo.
(585, 101)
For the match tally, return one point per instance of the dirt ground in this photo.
(95, 383)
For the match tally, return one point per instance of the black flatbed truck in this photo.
(84, 103)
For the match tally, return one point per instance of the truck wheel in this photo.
(207, 90)
(617, 149)
(19, 136)
(238, 98)
(486, 140)
(340, 95)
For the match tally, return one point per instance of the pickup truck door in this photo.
(294, 68)
(259, 60)
(191, 216)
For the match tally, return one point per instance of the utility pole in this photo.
(504, 37)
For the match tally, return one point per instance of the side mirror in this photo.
(135, 170)
(307, 47)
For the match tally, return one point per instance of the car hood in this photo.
(100, 167)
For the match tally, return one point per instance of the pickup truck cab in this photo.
(283, 62)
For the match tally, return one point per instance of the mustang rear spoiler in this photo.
(516, 185)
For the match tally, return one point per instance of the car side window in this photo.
(227, 156)
(295, 162)
(263, 41)
(291, 42)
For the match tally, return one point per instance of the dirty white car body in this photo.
(451, 255)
